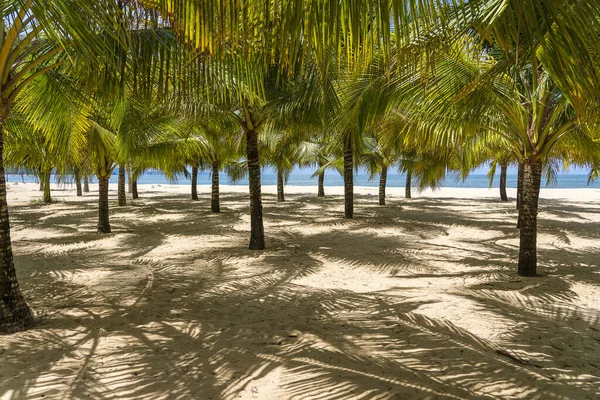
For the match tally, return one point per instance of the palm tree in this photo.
(36, 35)
(27, 148)
(212, 142)
(531, 115)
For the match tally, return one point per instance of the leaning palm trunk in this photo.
(321, 190)
(519, 193)
(47, 196)
(348, 180)
(280, 193)
(15, 314)
(194, 182)
(121, 187)
(86, 184)
(382, 184)
(103, 222)
(257, 232)
(134, 190)
(215, 205)
(503, 196)
(408, 186)
(532, 174)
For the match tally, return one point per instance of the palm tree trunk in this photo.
(519, 193)
(194, 182)
(280, 194)
(503, 196)
(408, 186)
(382, 184)
(47, 196)
(129, 181)
(134, 191)
(86, 184)
(321, 191)
(532, 175)
(103, 222)
(15, 314)
(121, 187)
(215, 205)
(257, 232)
(348, 180)
(78, 183)
(519, 185)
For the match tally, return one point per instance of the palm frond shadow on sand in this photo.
(389, 305)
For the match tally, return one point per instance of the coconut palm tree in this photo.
(531, 114)
(36, 37)
(209, 142)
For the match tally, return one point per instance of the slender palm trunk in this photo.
(321, 191)
(519, 193)
(15, 314)
(86, 184)
(532, 175)
(121, 187)
(519, 185)
(348, 180)
(408, 186)
(257, 232)
(103, 222)
(382, 184)
(215, 204)
(194, 182)
(129, 181)
(503, 196)
(41, 181)
(47, 196)
(134, 191)
(280, 193)
(78, 183)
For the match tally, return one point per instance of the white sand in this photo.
(415, 300)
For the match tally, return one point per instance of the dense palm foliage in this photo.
(425, 87)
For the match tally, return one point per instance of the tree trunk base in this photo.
(321, 188)
(103, 213)
(13, 321)
(257, 230)
(532, 173)
(348, 180)
(134, 190)
(215, 203)
(194, 183)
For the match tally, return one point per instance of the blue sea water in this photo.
(302, 177)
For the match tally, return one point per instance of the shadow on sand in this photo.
(414, 300)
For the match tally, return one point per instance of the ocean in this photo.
(302, 177)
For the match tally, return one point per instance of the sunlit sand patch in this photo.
(84, 277)
(341, 275)
(264, 382)
(99, 242)
(183, 246)
(69, 213)
(29, 234)
(166, 217)
(588, 295)
(470, 316)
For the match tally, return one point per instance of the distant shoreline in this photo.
(333, 179)
(392, 193)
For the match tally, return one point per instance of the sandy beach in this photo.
(418, 299)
